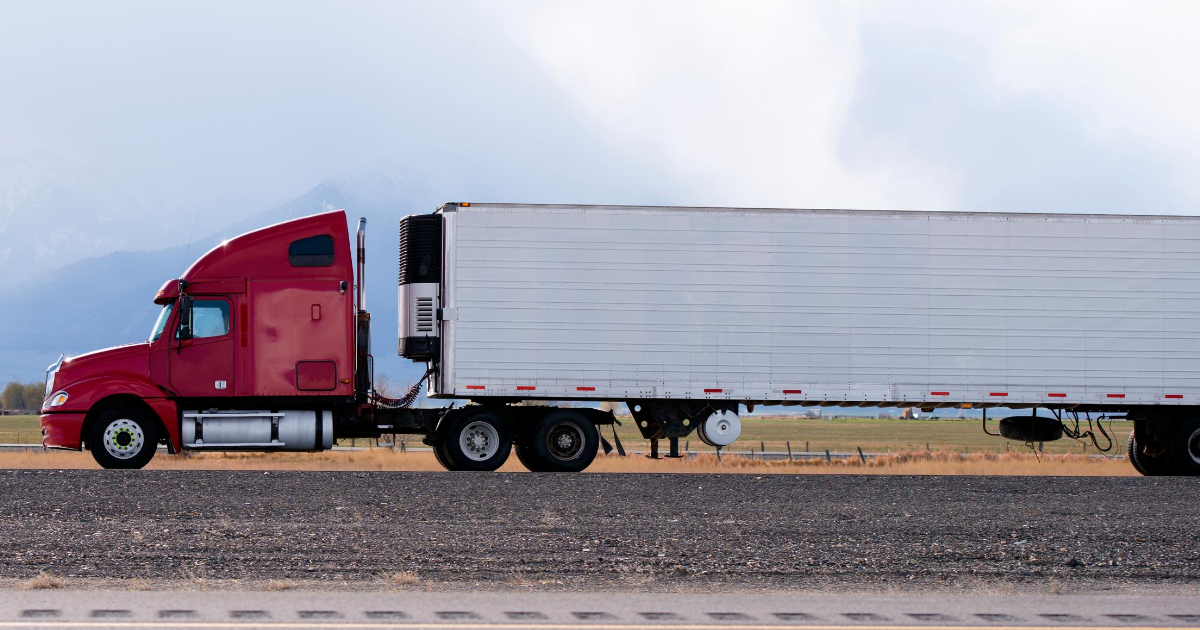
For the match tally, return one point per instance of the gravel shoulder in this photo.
(620, 532)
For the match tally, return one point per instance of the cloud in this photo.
(1061, 105)
(742, 103)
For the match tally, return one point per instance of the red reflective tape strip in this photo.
(998, 394)
(939, 393)
(1116, 395)
(474, 386)
(1052, 395)
(792, 391)
(525, 388)
(585, 389)
(1173, 396)
(712, 391)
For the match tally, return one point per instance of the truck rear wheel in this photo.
(475, 439)
(1183, 448)
(440, 454)
(561, 441)
(123, 438)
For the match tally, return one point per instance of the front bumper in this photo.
(63, 430)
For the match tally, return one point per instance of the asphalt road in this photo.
(606, 611)
(636, 532)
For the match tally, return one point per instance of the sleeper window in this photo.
(314, 251)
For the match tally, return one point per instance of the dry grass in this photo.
(44, 581)
(279, 585)
(404, 578)
(911, 463)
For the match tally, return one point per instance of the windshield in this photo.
(162, 321)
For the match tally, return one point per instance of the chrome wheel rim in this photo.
(1193, 446)
(565, 441)
(479, 441)
(123, 438)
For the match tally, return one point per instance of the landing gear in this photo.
(476, 438)
(123, 438)
(560, 441)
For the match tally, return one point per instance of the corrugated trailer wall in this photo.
(613, 303)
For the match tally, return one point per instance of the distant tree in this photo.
(34, 394)
(13, 396)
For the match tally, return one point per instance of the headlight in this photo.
(57, 400)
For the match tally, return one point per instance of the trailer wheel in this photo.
(476, 439)
(1133, 455)
(1148, 465)
(1183, 449)
(561, 441)
(123, 438)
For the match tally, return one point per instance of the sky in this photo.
(1056, 106)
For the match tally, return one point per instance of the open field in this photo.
(596, 532)
(873, 435)
(20, 430)
(381, 459)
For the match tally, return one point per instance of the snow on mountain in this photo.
(53, 212)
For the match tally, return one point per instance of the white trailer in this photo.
(689, 313)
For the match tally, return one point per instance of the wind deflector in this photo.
(314, 251)
(421, 249)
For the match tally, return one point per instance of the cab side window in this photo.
(210, 318)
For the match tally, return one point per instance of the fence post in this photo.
(828, 457)
(806, 446)
(789, 446)
(762, 447)
(860, 455)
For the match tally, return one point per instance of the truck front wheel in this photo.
(561, 441)
(474, 439)
(123, 437)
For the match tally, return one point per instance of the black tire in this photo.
(1183, 448)
(1133, 455)
(476, 438)
(1146, 464)
(526, 457)
(123, 438)
(440, 454)
(561, 441)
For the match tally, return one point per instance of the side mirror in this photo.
(185, 318)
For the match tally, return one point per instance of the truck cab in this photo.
(254, 348)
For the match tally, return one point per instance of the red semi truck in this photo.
(264, 345)
(685, 314)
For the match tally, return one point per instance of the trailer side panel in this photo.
(862, 307)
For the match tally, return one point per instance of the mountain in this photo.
(53, 212)
(107, 300)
